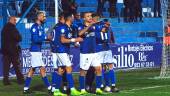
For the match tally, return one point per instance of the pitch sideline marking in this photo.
(152, 87)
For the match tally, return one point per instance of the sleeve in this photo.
(53, 34)
(80, 28)
(62, 31)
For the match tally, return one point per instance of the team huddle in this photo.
(92, 36)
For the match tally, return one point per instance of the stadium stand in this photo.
(139, 32)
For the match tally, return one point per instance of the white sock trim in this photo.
(83, 90)
(72, 88)
(26, 88)
(113, 84)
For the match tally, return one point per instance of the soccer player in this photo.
(104, 37)
(37, 38)
(88, 57)
(51, 36)
(63, 39)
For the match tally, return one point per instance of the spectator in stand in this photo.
(131, 5)
(138, 10)
(50, 7)
(25, 6)
(31, 16)
(157, 8)
(112, 8)
(69, 6)
(73, 6)
(126, 10)
(100, 7)
(18, 6)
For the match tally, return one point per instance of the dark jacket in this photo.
(10, 39)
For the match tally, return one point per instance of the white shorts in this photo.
(36, 59)
(54, 60)
(63, 59)
(87, 60)
(105, 57)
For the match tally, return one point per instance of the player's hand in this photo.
(79, 39)
(77, 44)
(103, 30)
(49, 37)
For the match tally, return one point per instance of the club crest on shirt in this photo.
(62, 30)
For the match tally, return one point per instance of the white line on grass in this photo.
(152, 87)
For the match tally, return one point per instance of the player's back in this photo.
(61, 30)
(53, 33)
(37, 37)
(102, 38)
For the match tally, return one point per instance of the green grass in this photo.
(131, 83)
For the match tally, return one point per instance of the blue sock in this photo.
(106, 78)
(82, 82)
(70, 80)
(28, 81)
(98, 81)
(45, 80)
(58, 81)
(54, 79)
(112, 76)
(103, 76)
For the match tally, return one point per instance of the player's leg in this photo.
(55, 72)
(70, 81)
(90, 76)
(82, 81)
(63, 60)
(106, 75)
(28, 80)
(45, 78)
(98, 70)
(101, 56)
(54, 79)
(59, 75)
(110, 74)
(85, 61)
(65, 89)
(112, 78)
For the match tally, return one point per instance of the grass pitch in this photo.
(131, 83)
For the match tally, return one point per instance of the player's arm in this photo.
(51, 32)
(65, 40)
(83, 31)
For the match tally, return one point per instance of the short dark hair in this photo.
(95, 15)
(61, 15)
(67, 15)
(105, 20)
(83, 14)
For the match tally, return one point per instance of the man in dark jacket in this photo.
(10, 39)
(112, 8)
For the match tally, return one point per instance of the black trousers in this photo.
(100, 7)
(90, 76)
(7, 61)
(112, 8)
